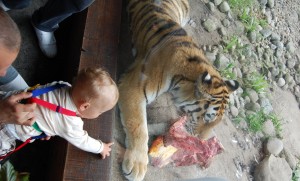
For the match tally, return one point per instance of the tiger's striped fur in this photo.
(166, 60)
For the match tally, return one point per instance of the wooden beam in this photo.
(99, 48)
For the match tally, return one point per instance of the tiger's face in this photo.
(213, 95)
(204, 101)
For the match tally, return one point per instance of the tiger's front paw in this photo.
(135, 164)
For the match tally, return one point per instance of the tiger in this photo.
(166, 60)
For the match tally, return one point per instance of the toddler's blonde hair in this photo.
(91, 81)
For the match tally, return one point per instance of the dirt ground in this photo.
(243, 150)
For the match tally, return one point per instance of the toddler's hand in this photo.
(106, 149)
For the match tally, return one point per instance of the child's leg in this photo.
(7, 140)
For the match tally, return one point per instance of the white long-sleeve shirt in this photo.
(53, 123)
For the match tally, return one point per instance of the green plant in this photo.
(227, 72)
(237, 5)
(243, 10)
(257, 82)
(276, 122)
(296, 172)
(263, 23)
(257, 119)
(232, 42)
(8, 173)
(250, 21)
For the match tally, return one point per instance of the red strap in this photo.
(19, 147)
(53, 107)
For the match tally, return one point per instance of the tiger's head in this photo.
(214, 92)
(204, 100)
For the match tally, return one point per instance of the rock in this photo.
(268, 128)
(297, 91)
(290, 158)
(237, 102)
(211, 6)
(275, 37)
(217, 2)
(252, 36)
(252, 95)
(252, 106)
(270, 3)
(290, 47)
(281, 82)
(265, 32)
(288, 78)
(224, 7)
(211, 56)
(209, 25)
(292, 84)
(272, 169)
(240, 28)
(297, 78)
(274, 146)
(243, 125)
(234, 111)
(226, 22)
(239, 73)
(221, 62)
(222, 31)
(278, 44)
(273, 47)
(263, 2)
(266, 105)
(279, 52)
(282, 66)
(291, 63)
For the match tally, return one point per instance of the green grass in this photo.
(296, 173)
(256, 82)
(227, 72)
(233, 41)
(277, 123)
(251, 22)
(256, 121)
(237, 5)
(247, 17)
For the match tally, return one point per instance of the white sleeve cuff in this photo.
(101, 146)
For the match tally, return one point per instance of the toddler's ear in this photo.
(84, 106)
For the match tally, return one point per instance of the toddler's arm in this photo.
(106, 149)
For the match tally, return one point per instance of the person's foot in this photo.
(47, 42)
(3, 6)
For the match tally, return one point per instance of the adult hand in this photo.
(13, 112)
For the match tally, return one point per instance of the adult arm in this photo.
(12, 112)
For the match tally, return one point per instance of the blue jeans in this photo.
(49, 16)
(10, 75)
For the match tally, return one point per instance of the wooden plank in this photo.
(99, 48)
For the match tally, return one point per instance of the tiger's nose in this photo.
(209, 117)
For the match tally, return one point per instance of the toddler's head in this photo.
(94, 92)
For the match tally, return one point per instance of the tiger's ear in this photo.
(232, 85)
(206, 78)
